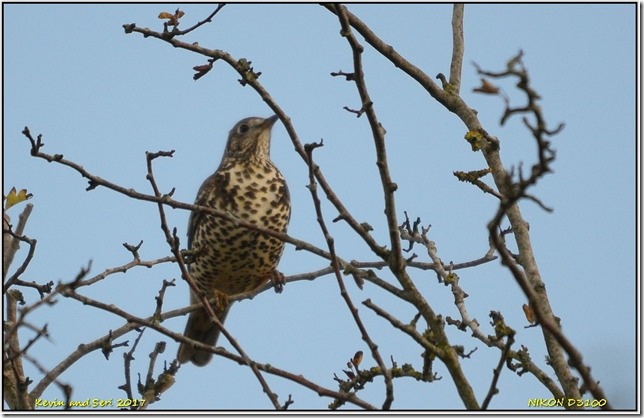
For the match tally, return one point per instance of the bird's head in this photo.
(250, 137)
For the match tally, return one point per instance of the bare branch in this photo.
(124, 268)
(458, 47)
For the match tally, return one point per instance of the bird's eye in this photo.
(243, 128)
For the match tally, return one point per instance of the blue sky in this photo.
(103, 98)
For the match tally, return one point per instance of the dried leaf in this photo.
(486, 88)
(357, 358)
(202, 70)
(173, 18)
(205, 67)
(14, 197)
(198, 75)
(529, 314)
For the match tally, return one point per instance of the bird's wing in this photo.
(201, 200)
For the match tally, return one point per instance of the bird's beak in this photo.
(269, 122)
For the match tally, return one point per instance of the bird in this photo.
(230, 259)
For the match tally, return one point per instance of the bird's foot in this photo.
(278, 281)
(221, 302)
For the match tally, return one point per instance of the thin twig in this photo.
(124, 268)
(497, 373)
(159, 298)
(201, 23)
(17, 237)
(9, 251)
(127, 365)
(406, 328)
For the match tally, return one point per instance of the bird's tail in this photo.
(200, 328)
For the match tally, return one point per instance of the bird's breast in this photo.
(235, 259)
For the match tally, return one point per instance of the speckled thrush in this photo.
(231, 259)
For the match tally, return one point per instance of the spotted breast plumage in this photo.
(231, 259)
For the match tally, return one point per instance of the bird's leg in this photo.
(221, 301)
(278, 281)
